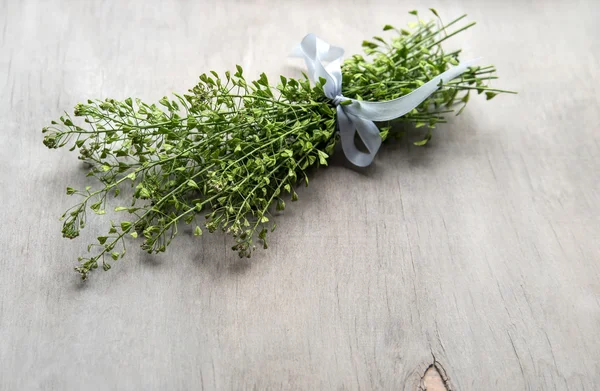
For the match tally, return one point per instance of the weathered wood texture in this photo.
(481, 249)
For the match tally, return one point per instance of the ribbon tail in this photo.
(368, 132)
(391, 109)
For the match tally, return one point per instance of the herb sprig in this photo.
(228, 152)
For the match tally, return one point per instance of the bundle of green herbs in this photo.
(230, 151)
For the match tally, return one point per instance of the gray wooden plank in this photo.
(480, 251)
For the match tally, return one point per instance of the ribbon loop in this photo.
(358, 116)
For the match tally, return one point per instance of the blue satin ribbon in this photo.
(358, 116)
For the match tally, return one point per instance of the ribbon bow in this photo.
(358, 116)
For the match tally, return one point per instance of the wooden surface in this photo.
(480, 251)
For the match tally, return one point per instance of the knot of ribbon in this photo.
(356, 116)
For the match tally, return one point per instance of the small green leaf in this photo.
(262, 80)
(114, 255)
(322, 157)
(96, 208)
(102, 239)
(384, 134)
(370, 45)
(191, 183)
(424, 141)
(197, 231)
(380, 40)
(125, 225)
(131, 176)
(413, 12)
(70, 190)
(280, 205)
(490, 95)
(262, 234)
(134, 234)
(144, 193)
(388, 27)
(165, 102)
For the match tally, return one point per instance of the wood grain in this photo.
(481, 250)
